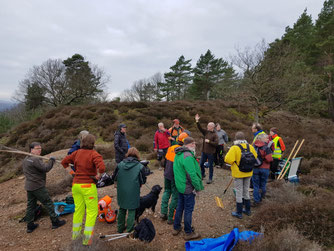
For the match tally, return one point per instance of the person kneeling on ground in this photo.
(35, 177)
(241, 179)
(188, 181)
(87, 161)
(129, 175)
(261, 173)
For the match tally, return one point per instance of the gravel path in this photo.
(208, 220)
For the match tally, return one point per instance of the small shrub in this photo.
(285, 239)
(143, 144)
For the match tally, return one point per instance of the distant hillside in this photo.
(4, 105)
(58, 128)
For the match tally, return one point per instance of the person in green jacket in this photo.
(129, 175)
(188, 181)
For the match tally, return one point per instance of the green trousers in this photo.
(41, 195)
(121, 220)
(170, 192)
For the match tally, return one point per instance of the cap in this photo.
(122, 126)
(188, 140)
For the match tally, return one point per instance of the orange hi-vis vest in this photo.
(170, 155)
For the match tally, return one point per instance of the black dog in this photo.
(148, 201)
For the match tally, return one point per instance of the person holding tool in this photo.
(35, 171)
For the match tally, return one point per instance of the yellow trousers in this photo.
(85, 199)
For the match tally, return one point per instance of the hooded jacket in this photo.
(233, 158)
(129, 176)
(121, 145)
(265, 153)
(187, 173)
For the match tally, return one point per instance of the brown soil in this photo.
(208, 220)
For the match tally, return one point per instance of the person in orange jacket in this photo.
(89, 167)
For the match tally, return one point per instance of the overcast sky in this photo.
(134, 39)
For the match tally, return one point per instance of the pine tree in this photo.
(324, 40)
(209, 71)
(177, 81)
(83, 84)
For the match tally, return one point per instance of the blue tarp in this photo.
(65, 208)
(223, 243)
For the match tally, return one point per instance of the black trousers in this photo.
(219, 155)
(274, 168)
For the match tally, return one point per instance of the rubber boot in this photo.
(238, 213)
(247, 210)
(58, 223)
(31, 227)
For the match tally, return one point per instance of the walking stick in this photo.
(294, 156)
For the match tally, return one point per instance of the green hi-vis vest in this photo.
(277, 154)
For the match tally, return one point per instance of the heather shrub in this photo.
(144, 143)
(320, 177)
(286, 239)
(107, 152)
(147, 121)
(313, 217)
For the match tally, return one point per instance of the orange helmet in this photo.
(182, 136)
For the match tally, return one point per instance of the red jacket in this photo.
(161, 140)
(86, 163)
(266, 157)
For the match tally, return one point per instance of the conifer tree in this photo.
(178, 80)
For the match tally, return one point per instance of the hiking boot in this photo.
(163, 217)
(255, 204)
(209, 181)
(191, 236)
(58, 223)
(170, 222)
(238, 213)
(176, 231)
(31, 227)
(247, 210)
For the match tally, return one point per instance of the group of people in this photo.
(183, 175)
(267, 151)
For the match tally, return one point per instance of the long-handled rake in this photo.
(218, 200)
(283, 172)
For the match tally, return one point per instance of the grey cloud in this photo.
(134, 39)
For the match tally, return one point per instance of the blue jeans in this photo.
(260, 177)
(204, 158)
(186, 203)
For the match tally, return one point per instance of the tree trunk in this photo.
(256, 117)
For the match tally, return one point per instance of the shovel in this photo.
(218, 200)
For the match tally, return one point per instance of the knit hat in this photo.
(188, 140)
